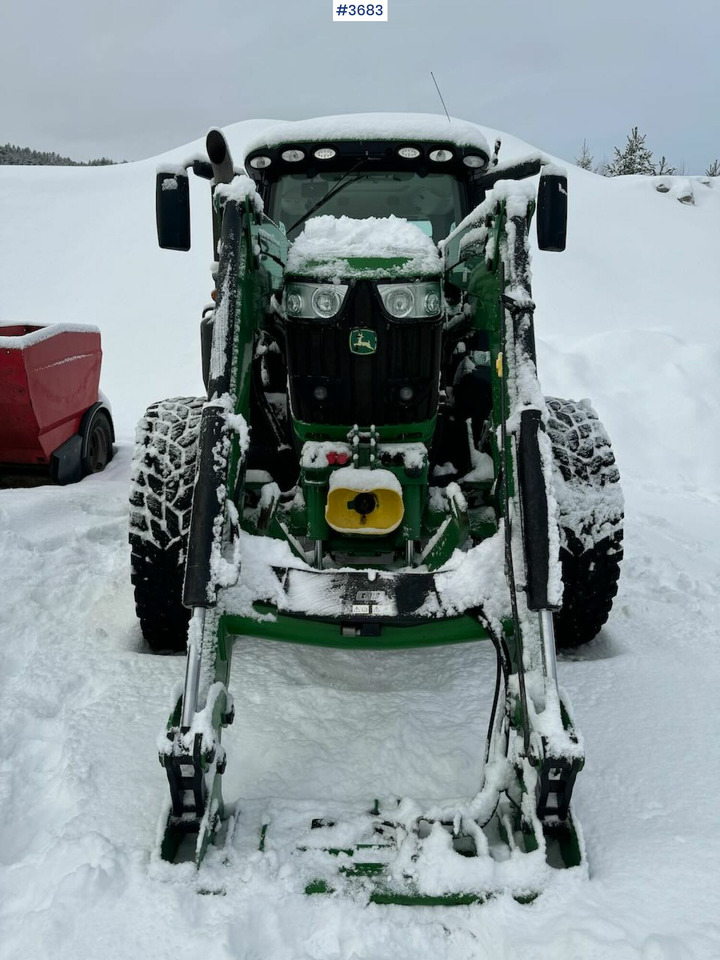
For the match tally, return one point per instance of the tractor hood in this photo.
(362, 303)
(336, 249)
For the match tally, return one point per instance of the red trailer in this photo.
(52, 414)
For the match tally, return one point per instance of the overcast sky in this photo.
(134, 78)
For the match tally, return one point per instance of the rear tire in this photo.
(591, 513)
(162, 481)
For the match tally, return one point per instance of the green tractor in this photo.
(375, 466)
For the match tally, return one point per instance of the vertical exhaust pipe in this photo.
(220, 158)
(222, 165)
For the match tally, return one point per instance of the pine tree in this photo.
(662, 168)
(585, 160)
(714, 169)
(635, 158)
(601, 168)
(14, 155)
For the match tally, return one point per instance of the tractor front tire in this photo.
(162, 480)
(586, 484)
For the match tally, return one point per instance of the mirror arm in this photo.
(519, 171)
(202, 168)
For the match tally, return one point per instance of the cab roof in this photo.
(376, 134)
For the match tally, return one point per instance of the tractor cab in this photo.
(427, 183)
(361, 313)
(367, 358)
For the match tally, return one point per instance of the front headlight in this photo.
(411, 300)
(399, 301)
(312, 301)
(326, 302)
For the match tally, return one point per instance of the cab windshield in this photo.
(433, 202)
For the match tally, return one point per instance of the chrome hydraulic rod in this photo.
(547, 630)
(192, 667)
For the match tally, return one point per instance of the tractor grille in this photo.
(329, 384)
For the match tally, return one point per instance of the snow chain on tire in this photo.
(590, 508)
(162, 479)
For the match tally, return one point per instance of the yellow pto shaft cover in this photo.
(364, 501)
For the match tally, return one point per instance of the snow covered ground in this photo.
(628, 316)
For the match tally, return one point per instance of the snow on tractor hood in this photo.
(340, 247)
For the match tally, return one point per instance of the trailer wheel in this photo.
(97, 443)
(162, 480)
(586, 484)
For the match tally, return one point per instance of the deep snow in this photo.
(627, 316)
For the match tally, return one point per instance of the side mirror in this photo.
(172, 210)
(552, 211)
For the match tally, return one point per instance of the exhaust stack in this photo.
(220, 157)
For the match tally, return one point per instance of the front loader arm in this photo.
(228, 393)
(191, 753)
(487, 257)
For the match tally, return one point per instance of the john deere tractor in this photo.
(375, 466)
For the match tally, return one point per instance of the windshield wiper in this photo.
(343, 182)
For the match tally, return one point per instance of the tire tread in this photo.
(161, 489)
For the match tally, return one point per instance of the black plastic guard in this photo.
(206, 505)
(66, 461)
(533, 496)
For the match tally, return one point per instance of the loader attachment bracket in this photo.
(185, 773)
(194, 777)
(556, 780)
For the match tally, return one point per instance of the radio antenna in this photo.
(441, 96)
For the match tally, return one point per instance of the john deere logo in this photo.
(363, 341)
